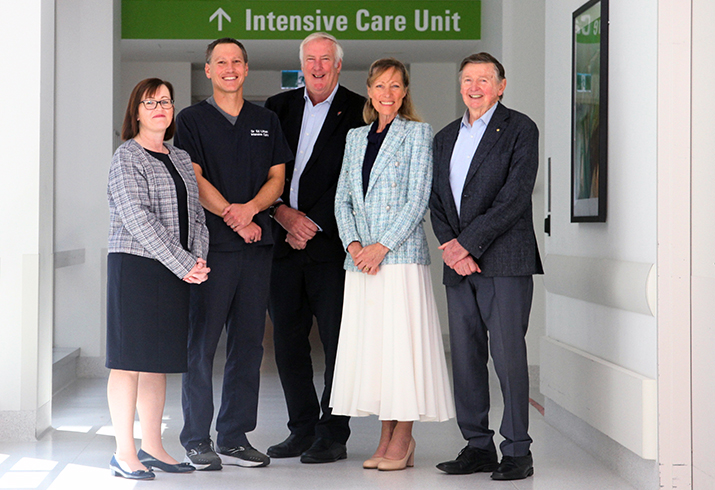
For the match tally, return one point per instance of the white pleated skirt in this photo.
(390, 359)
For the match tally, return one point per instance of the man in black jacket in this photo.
(485, 165)
(307, 277)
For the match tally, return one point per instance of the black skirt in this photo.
(147, 316)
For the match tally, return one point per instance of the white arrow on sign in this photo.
(220, 13)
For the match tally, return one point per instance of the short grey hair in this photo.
(337, 48)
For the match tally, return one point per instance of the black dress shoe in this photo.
(514, 468)
(292, 447)
(151, 462)
(470, 460)
(324, 451)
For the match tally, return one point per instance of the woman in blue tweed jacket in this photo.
(158, 243)
(390, 359)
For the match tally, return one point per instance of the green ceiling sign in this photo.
(295, 19)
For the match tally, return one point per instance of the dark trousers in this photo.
(491, 313)
(235, 295)
(300, 289)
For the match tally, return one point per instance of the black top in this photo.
(180, 197)
(234, 158)
(374, 142)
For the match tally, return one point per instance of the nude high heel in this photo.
(372, 463)
(399, 464)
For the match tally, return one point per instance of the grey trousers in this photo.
(491, 314)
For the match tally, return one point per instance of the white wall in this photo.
(492, 40)
(629, 234)
(26, 262)
(703, 244)
(612, 337)
(86, 95)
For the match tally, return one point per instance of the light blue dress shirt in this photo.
(313, 119)
(467, 142)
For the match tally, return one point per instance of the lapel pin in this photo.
(497, 130)
(340, 112)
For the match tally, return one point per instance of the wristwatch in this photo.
(272, 209)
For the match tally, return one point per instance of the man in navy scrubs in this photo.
(239, 152)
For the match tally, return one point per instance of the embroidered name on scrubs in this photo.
(260, 132)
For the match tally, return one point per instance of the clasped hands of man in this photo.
(239, 217)
(457, 257)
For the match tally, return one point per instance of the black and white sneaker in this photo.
(246, 456)
(203, 457)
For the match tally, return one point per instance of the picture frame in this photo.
(589, 113)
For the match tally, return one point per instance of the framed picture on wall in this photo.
(589, 113)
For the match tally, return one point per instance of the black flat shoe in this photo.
(324, 451)
(470, 460)
(117, 470)
(292, 447)
(514, 468)
(152, 463)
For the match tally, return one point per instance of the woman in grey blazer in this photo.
(390, 359)
(158, 243)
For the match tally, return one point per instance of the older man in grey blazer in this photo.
(485, 165)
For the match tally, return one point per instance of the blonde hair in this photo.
(407, 109)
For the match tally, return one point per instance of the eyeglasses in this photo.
(150, 105)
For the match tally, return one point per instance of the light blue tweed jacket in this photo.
(143, 209)
(392, 211)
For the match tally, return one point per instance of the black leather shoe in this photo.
(292, 447)
(470, 460)
(514, 468)
(324, 451)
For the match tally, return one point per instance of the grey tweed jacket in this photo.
(143, 208)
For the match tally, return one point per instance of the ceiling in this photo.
(283, 55)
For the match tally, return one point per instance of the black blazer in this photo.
(496, 224)
(319, 179)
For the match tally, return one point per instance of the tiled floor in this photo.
(75, 454)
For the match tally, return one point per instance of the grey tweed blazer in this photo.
(143, 209)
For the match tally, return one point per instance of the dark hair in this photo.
(484, 58)
(225, 40)
(407, 109)
(148, 88)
